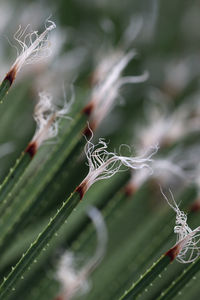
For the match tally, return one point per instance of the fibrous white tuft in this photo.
(46, 115)
(166, 128)
(164, 170)
(33, 46)
(187, 245)
(104, 65)
(107, 90)
(104, 164)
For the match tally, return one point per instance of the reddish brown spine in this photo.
(11, 75)
(195, 207)
(173, 252)
(129, 190)
(88, 108)
(59, 298)
(89, 129)
(31, 149)
(81, 189)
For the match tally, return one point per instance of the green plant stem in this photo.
(22, 201)
(62, 181)
(174, 271)
(39, 244)
(147, 278)
(4, 87)
(177, 285)
(157, 234)
(73, 231)
(102, 204)
(11, 180)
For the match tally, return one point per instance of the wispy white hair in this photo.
(107, 90)
(46, 115)
(103, 164)
(188, 247)
(32, 46)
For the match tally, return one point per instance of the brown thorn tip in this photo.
(195, 207)
(173, 252)
(88, 108)
(129, 190)
(31, 149)
(81, 189)
(10, 76)
(89, 129)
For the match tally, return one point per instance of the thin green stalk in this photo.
(39, 244)
(79, 226)
(26, 157)
(64, 179)
(116, 257)
(102, 204)
(21, 201)
(141, 284)
(12, 179)
(157, 233)
(177, 285)
(162, 282)
(74, 229)
(4, 87)
(174, 272)
(191, 290)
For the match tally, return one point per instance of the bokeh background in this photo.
(166, 36)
